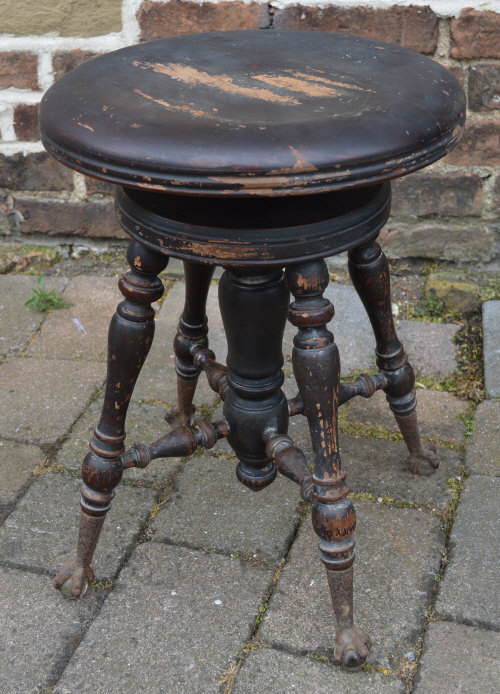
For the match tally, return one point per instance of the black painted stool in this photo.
(256, 151)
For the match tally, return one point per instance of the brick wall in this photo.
(448, 212)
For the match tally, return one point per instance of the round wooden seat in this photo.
(253, 113)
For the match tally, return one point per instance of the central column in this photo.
(254, 306)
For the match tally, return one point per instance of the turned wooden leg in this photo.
(253, 306)
(130, 336)
(369, 272)
(191, 332)
(316, 366)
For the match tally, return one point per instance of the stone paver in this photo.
(483, 450)
(491, 332)
(459, 659)
(438, 414)
(17, 320)
(43, 397)
(39, 629)
(17, 462)
(175, 619)
(350, 325)
(81, 330)
(41, 532)
(469, 589)
(379, 467)
(213, 510)
(178, 616)
(351, 328)
(145, 424)
(429, 346)
(157, 381)
(274, 672)
(398, 554)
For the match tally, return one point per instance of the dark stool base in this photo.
(254, 240)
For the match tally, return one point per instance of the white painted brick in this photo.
(443, 8)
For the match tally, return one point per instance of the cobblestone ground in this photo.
(202, 585)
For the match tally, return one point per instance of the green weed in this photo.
(467, 418)
(430, 307)
(42, 300)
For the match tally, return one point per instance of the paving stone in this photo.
(213, 510)
(41, 532)
(459, 659)
(80, 331)
(43, 397)
(274, 672)
(350, 325)
(438, 414)
(491, 332)
(175, 269)
(145, 424)
(429, 346)
(483, 451)
(351, 328)
(17, 320)
(397, 557)
(175, 619)
(39, 629)
(17, 462)
(379, 467)
(469, 590)
(157, 381)
(168, 318)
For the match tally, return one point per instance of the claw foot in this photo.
(351, 647)
(177, 418)
(424, 462)
(73, 579)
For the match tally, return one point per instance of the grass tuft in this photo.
(42, 300)
(430, 307)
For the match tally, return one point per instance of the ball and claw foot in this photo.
(177, 418)
(74, 578)
(351, 647)
(424, 462)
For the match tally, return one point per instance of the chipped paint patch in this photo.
(225, 83)
(303, 85)
(186, 108)
(326, 80)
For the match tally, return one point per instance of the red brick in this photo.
(56, 218)
(479, 146)
(34, 172)
(484, 87)
(454, 195)
(18, 69)
(439, 241)
(413, 27)
(94, 185)
(475, 34)
(26, 122)
(496, 194)
(6, 210)
(64, 61)
(457, 72)
(175, 18)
